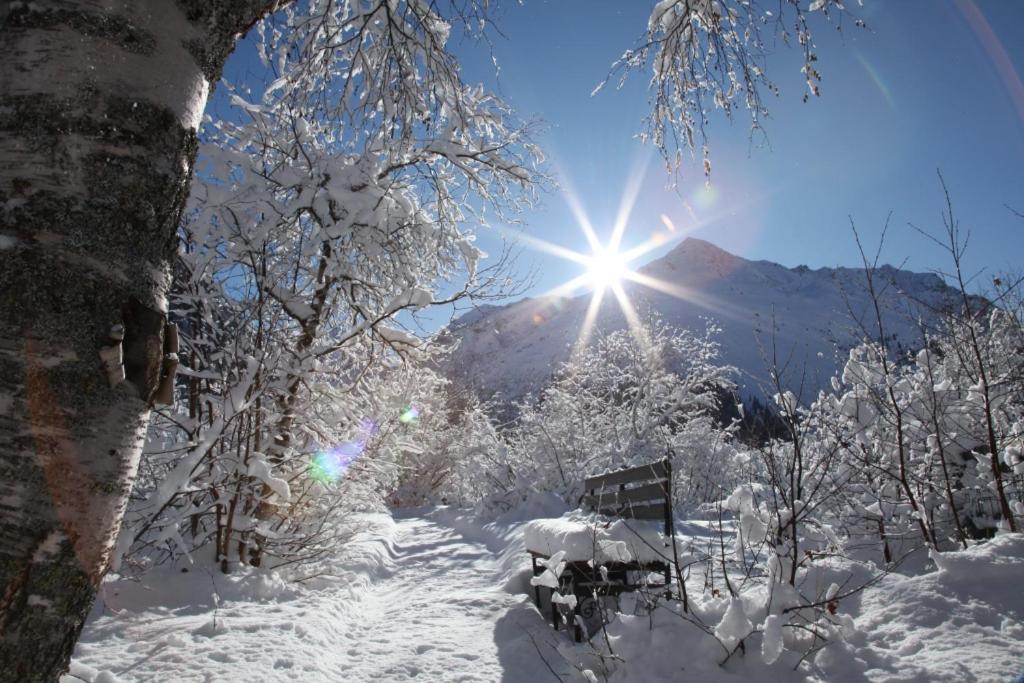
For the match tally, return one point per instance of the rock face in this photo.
(806, 319)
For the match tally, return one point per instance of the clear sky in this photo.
(932, 84)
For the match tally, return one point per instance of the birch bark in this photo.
(99, 105)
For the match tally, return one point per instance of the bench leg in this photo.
(536, 589)
(554, 610)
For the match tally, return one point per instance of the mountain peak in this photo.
(695, 258)
(693, 249)
(695, 244)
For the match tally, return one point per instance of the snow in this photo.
(771, 641)
(397, 337)
(440, 594)
(293, 303)
(413, 599)
(581, 537)
(734, 626)
(962, 622)
(553, 568)
(261, 470)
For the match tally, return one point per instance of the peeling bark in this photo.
(99, 104)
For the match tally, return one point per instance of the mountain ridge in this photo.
(810, 316)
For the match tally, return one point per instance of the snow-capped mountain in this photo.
(805, 319)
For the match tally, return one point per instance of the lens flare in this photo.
(1001, 60)
(409, 414)
(705, 196)
(328, 466)
(876, 78)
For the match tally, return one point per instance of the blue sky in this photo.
(927, 87)
(931, 84)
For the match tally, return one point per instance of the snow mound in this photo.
(584, 537)
(962, 622)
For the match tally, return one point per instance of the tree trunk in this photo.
(99, 104)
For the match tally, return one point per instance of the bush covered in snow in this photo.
(618, 402)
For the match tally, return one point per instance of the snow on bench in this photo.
(584, 537)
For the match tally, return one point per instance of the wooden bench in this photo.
(639, 493)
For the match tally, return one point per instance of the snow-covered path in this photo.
(434, 610)
(440, 617)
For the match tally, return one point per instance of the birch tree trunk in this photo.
(99, 105)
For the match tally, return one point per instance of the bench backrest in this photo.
(643, 492)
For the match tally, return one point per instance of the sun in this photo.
(609, 266)
(606, 268)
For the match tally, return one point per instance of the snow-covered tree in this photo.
(629, 397)
(341, 195)
(456, 457)
(707, 55)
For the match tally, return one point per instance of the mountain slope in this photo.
(805, 319)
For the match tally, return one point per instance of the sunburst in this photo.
(608, 267)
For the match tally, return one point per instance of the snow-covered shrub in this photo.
(780, 542)
(918, 436)
(455, 455)
(982, 366)
(628, 398)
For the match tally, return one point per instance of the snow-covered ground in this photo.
(416, 600)
(963, 622)
(434, 595)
